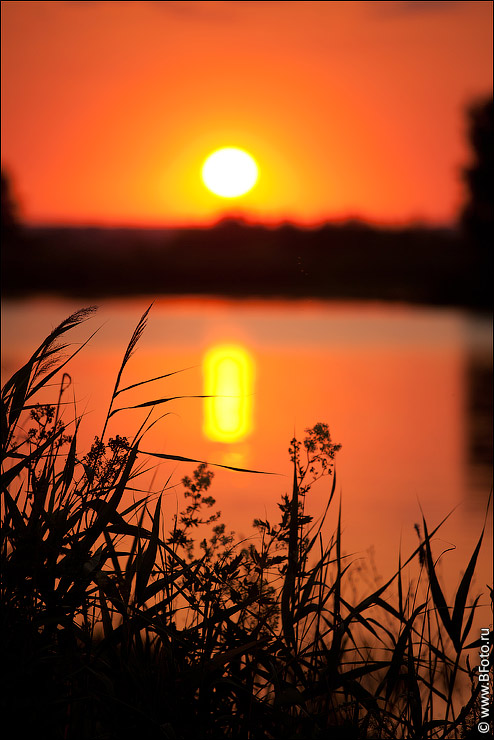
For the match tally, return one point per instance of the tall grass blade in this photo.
(287, 594)
(179, 458)
(69, 467)
(437, 594)
(148, 560)
(155, 402)
(414, 692)
(151, 380)
(462, 595)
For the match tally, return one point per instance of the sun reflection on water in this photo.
(229, 378)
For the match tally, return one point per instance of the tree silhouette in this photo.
(477, 217)
(10, 211)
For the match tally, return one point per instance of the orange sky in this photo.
(350, 108)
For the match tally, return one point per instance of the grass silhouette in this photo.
(113, 627)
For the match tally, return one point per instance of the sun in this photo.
(230, 172)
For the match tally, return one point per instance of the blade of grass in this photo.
(437, 594)
(179, 458)
(149, 558)
(152, 380)
(155, 402)
(462, 595)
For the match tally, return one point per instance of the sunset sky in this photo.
(109, 109)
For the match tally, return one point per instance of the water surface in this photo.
(402, 389)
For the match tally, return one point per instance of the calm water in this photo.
(404, 390)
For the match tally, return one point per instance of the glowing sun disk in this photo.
(229, 172)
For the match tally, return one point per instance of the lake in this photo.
(405, 390)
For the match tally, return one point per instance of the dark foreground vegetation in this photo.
(120, 620)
